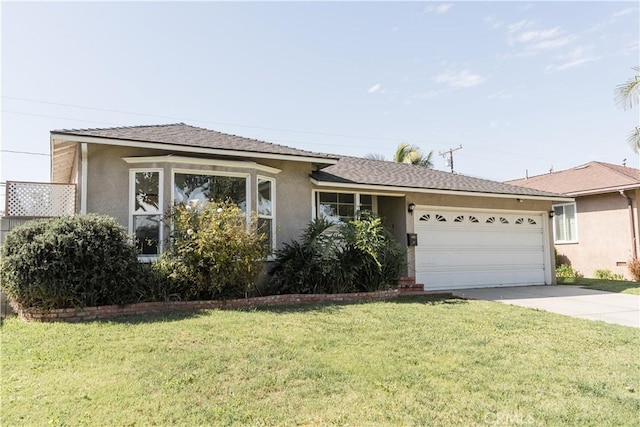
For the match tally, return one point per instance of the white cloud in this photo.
(375, 88)
(623, 12)
(503, 94)
(426, 95)
(523, 34)
(440, 9)
(499, 124)
(525, 23)
(578, 56)
(462, 79)
(493, 22)
(536, 36)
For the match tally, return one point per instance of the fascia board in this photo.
(604, 190)
(205, 162)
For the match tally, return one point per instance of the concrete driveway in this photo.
(574, 301)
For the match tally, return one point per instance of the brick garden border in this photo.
(406, 286)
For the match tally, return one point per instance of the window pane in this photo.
(265, 227)
(329, 212)
(366, 202)
(147, 188)
(570, 221)
(264, 198)
(205, 188)
(346, 198)
(346, 211)
(328, 197)
(366, 199)
(147, 233)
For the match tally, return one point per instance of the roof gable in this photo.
(180, 134)
(359, 171)
(590, 178)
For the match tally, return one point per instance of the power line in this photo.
(25, 152)
(200, 121)
(60, 118)
(278, 140)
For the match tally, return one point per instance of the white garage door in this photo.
(458, 249)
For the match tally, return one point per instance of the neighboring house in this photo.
(599, 230)
(459, 231)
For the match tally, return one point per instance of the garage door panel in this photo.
(491, 277)
(475, 258)
(460, 249)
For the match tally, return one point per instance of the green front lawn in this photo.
(411, 361)
(619, 286)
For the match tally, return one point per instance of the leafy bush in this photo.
(634, 269)
(213, 252)
(560, 258)
(337, 258)
(607, 275)
(75, 261)
(565, 270)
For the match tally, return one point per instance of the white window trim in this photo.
(272, 217)
(315, 201)
(246, 176)
(132, 205)
(240, 164)
(575, 210)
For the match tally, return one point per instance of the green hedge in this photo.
(76, 261)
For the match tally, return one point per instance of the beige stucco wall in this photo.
(393, 211)
(604, 234)
(108, 185)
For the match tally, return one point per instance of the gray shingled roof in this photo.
(589, 178)
(354, 170)
(348, 170)
(191, 136)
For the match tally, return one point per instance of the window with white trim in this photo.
(205, 186)
(266, 208)
(145, 207)
(565, 225)
(342, 206)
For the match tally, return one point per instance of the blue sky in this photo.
(521, 85)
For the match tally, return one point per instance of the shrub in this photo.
(565, 270)
(607, 275)
(213, 252)
(74, 261)
(634, 269)
(560, 258)
(336, 258)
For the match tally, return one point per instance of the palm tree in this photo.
(374, 156)
(407, 153)
(628, 95)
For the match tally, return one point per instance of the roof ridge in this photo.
(616, 169)
(121, 127)
(611, 166)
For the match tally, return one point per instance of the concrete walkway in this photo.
(574, 301)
